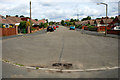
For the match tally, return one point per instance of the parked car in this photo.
(116, 28)
(57, 26)
(54, 27)
(72, 27)
(50, 28)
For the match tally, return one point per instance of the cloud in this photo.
(58, 10)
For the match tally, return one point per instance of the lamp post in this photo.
(106, 16)
(30, 18)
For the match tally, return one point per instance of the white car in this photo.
(117, 28)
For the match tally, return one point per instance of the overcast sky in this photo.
(57, 10)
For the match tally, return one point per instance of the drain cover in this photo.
(65, 65)
(57, 64)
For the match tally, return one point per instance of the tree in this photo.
(22, 25)
(21, 16)
(36, 19)
(27, 24)
(47, 20)
(112, 18)
(71, 20)
(62, 22)
(41, 25)
(16, 15)
(45, 25)
(87, 18)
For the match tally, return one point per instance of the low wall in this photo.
(102, 28)
(8, 31)
(117, 32)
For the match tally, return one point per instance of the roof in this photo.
(14, 19)
(103, 21)
(97, 21)
(11, 20)
(67, 20)
(91, 22)
(79, 22)
(41, 21)
(34, 21)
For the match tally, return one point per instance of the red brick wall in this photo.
(117, 32)
(102, 28)
(8, 31)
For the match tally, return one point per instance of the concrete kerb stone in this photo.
(64, 70)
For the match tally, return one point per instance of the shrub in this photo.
(22, 25)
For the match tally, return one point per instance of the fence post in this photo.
(16, 27)
(28, 29)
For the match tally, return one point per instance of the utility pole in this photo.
(30, 18)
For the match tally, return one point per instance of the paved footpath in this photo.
(82, 50)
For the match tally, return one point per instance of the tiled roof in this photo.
(106, 21)
(41, 21)
(34, 21)
(91, 22)
(14, 19)
(11, 20)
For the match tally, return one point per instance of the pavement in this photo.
(70, 46)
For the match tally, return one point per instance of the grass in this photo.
(19, 64)
(37, 67)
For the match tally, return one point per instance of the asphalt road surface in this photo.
(82, 50)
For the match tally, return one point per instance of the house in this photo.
(10, 21)
(91, 22)
(25, 18)
(42, 21)
(105, 22)
(78, 23)
(116, 21)
(115, 24)
(97, 22)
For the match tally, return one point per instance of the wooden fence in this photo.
(7, 31)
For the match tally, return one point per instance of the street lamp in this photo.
(106, 16)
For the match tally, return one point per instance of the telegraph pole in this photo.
(30, 18)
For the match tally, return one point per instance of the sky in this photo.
(57, 10)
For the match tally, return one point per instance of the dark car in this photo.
(50, 28)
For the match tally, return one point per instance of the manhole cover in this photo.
(65, 65)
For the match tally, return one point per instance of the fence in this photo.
(7, 31)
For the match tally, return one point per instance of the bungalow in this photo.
(91, 22)
(42, 21)
(97, 22)
(105, 22)
(10, 21)
(116, 23)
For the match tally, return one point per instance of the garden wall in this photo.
(117, 32)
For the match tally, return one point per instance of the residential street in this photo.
(82, 50)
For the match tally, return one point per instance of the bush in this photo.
(22, 25)
(32, 29)
(91, 27)
(43, 25)
(78, 26)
